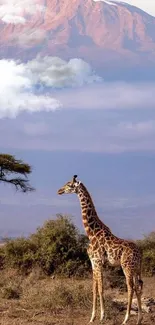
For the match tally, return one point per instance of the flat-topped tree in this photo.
(9, 165)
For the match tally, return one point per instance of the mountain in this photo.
(103, 33)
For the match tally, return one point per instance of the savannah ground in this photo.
(30, 294)
(37, 299)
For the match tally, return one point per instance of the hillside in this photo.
(96, 31)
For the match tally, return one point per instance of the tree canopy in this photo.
(10, 165)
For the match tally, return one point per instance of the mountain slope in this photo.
(97, 31)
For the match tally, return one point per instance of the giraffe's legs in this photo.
(91, 257)
(97, 286)
(100, 291)
(130, 287)
(138, 292)
(94, 298)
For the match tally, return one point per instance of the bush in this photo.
(57, 247)
(2, 258)
(147, 246)
(60, 247)
(20, 253)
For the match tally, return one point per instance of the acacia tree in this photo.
(10, 165)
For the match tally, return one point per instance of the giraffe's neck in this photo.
(91, 221)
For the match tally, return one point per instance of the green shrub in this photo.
(147, 246)
(2, 257)
(57, 247)
(61, 249)
(20, 253)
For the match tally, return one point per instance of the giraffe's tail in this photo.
(139, 282)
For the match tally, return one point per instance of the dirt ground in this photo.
(36, 300)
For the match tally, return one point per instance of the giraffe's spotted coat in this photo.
(104, 244)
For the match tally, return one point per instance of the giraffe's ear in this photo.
(77, 183)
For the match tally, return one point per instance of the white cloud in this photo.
(108, 2)
(28, 37)
(90, 131)
(11, 19)
(18, 83)
(55, 72)
(12, 11)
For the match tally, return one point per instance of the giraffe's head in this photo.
(70, 187)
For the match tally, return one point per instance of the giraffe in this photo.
(104, 244)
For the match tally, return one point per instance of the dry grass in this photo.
(40, 300)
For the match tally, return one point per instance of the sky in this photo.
(146, 5)
(65, 118)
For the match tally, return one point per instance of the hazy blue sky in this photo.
(146, 5)
(63, 118)
(111, 147)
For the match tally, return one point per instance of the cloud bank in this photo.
(57, 73)
(110, 96)
(28, 37)
(12, 11)
(19, 83)
(48, 83)
(11, 19)
(16, 88)
(87, 131)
